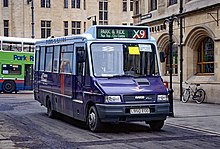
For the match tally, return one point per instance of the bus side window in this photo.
(66, 59)
(56, 58)
(37, 59)
(28, 47)
(48, 61)
(42, 58)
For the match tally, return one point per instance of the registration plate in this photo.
(140, 111)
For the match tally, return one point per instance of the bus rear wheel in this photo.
(51, 113)
(8, 86)
(93, 120)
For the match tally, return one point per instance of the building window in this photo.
(76, 27)
(45, 29)
(172, 2)
(175, 60)
(75, 4)
(65, 3)
(6, 27)
(124, 5)
(5, 3)
(103, 12)
(205, 64)
(136, 7)
(153, 5)
(45, 3)
(65, 28)
(131, 5)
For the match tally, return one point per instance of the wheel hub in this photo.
(92, 119)
(8, 86)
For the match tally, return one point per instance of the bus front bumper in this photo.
(132, 112)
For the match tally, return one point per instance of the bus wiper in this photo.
(122, 75)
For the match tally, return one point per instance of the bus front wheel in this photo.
(156, 125)
(8, 86)
(93, 120)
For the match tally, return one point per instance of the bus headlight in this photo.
(109, 99)
(162, 98)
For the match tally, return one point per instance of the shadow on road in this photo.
(108, 127)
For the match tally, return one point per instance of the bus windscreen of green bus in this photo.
(8, 69)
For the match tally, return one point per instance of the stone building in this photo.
(60, 17)
(201, 40)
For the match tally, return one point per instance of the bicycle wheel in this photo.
(199, 96)
(186, 95)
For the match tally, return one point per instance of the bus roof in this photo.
(18, 39)
(101, 32)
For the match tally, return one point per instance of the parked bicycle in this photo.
(196, 93)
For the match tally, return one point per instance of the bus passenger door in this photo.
(78, 102)
(28, 76)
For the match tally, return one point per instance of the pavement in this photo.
(202, 117)
(190, 115)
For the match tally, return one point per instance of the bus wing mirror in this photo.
(81, 55)
(162, 57)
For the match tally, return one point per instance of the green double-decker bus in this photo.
(16, 64)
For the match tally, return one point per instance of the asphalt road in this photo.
(24, 124)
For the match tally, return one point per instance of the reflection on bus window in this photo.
(11, 69)
(107, 59)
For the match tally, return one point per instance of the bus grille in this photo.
(145, 98)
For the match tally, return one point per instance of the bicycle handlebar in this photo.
(197, 84)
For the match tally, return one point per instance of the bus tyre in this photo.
(50, 112)
(93, 120)
(156, 125)
(8, 86)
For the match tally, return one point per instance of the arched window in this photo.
(175, 60)
(205, 63)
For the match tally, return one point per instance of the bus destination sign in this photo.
(119, 32)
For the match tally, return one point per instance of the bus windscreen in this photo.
(114, 59)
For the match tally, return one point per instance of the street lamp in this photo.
(32, 17)
(170, 21)
(181, 49)
(94, 21)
